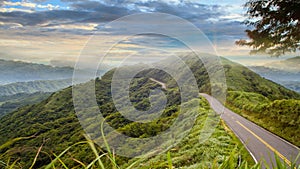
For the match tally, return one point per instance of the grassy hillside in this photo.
(281, 117)
(11, 103)
(34, 86)
(53, 124)
(240, 78)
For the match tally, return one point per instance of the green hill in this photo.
(53, 123)
(238, 78)
(12, 102)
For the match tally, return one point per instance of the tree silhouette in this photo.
(275, 26)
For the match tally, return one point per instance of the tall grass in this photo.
(231, 162)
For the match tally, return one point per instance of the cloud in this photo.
(41, 17)
(23, 4)
(75, 19)
(97, 12)
(30, 5)
(6, 10)
(10, 25)
(81, 12)
(189, 11)
(71, 27)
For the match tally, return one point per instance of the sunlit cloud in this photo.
(88, 26)
(56, 32)
(29, 5)
(5, 10)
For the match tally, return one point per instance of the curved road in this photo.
(261, 144)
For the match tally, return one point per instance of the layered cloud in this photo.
(65, 22)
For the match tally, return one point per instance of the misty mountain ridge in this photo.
(18, 71)
(34, 86)
(290, 65)
(286, 72)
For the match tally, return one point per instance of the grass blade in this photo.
(169, 160)
(62, 153)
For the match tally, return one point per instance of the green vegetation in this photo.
(49, 129)
(281, 117)
(53, 125)
(34, 86)
(11, 103)
(273, 27)
(240, 78)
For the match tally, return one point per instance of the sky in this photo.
(56, 32)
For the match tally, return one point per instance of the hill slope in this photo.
(54, 123)
(238, 78)
(11, 103)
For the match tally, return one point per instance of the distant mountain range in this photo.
(16, 71)
(24, 83)
(286, 72)
(290, 65)
(21, 77)
(34, 86)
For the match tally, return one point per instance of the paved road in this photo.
(261, 144)
(163, 85)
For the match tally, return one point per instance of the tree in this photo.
(276, 26)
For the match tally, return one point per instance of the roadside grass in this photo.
(281, 117)
(221, 151)
(233, 161)
(188, 153)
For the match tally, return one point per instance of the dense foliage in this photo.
(239, 78)
(276, 26)
(53, 124)
(11, 103)
(281, 117)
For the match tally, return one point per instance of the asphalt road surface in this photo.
(261, 144)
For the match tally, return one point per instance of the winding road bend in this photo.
(261, 144)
